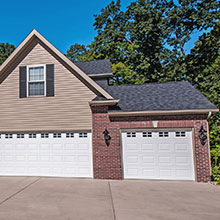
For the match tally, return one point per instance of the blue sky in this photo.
(63, 23)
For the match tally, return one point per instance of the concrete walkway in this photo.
(33, 198)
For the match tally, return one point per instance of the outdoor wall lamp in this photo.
(203, 135)
(107, 137)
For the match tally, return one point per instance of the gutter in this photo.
(170, 112)
(101, 75)
(104, 102)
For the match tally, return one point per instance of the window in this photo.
(44, 135)
(131, 134)
(147, 134)
(7, 136)
(32, 135)
(20, 135)
(36, 79)
(57, 135)
(163, 134)
(83, 135)
(180, 134)
(69, 135)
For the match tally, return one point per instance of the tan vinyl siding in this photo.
(67, 110)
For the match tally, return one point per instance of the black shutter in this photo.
(23, 81)
(50, 79)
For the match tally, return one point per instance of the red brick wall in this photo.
(107, 160)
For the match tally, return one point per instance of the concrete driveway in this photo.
(82, 199)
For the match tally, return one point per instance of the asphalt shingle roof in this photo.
(158, 97)
(95, 66)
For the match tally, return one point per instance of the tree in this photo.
(147, 40)
(202, 65)
(5, 51)
(184, 19)
(79, 52)
(134, 38)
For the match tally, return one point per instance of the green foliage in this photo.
(202, 66)
(78, 52)
(5, 51)
(133, 37)
(149, 37)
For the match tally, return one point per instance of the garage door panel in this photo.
(133, 172)
(132, 159)
(165, 160)
(182, 161)
(149, 172)
(132, 147)
(161, 155)
(150, 160)
(50, 154)
(181, 148)
(164, 148)
(166, 173)
(147, 147)
(69, 146)
(7, 146)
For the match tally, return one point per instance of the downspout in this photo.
(210, 162)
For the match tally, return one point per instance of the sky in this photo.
(63, 22)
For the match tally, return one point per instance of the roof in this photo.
(77, 71)
(158, 97)
(95, 66)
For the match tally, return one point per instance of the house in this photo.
(63, 119)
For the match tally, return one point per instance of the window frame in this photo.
(35, 81)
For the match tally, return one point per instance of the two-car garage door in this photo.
(164, 154)
(46, 154)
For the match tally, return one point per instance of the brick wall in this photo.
(107, 160)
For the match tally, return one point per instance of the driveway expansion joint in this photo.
(112, 202)
(19, 191)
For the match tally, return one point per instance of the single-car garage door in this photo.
(46, 154)
(162, 154)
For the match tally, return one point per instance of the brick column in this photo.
(106, 159)
(203, 163)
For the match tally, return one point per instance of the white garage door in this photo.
(158, 155)
(46, 154)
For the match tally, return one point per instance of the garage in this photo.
(158, 154)
(46, 154)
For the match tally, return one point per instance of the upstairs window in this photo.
(36, 79)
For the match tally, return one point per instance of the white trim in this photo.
(104, 102)
(100, 75)
(45, 80)
(171, 112)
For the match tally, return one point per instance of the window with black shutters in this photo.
(37, 80)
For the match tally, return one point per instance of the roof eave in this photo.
(104, 102)
(100, 75)
(170, 112)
